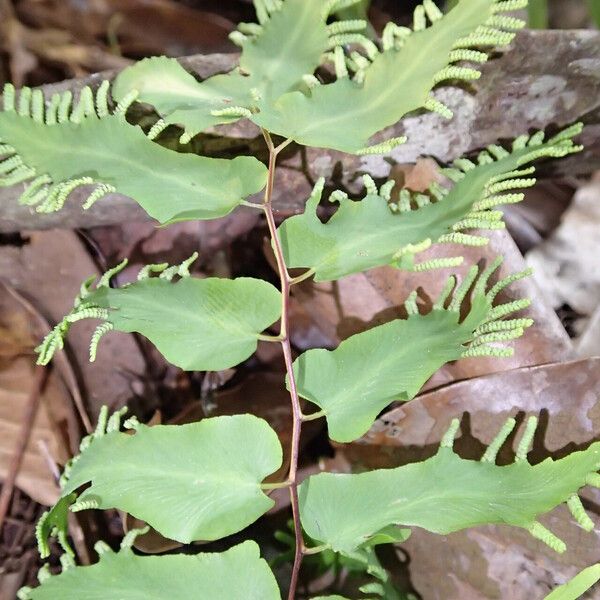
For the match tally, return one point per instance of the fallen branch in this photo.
(559, 83)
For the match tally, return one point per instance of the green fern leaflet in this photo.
(374, 231)
(60, 148)
(200, 481)
(391, 362)
(276, 54)
(447, 493)
(197, 324)
(389, 84)
(578, 586)
(126, 576)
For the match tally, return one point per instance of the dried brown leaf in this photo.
(55, 423)
(49, 270)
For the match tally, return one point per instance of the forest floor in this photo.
(556, 230)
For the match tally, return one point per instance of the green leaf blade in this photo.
(578, 586)
(197, 324)
(318, 120)
(112, 152)
(368, 371)
(365, 234)
(190, 482)
(273, 62)
(290, 46)
(56, 519)
(442, 494)
(391, 362)
(237, 574)
(178, 97)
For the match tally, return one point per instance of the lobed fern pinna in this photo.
(311, 79)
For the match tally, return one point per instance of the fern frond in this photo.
(436, 50)
(87, 504)
(272, 63)
(132, 423)
(377, 370)
(333, 6)
(236, 574)
(181, 270)
(99, 332)
(198, 324)
(130, 537)
(233, 454)
(446, 493)
(348, 26)
(54, 522)
(56, 148)
(105, 425)
(157, 129)
(61, 108)
(578, 511)
(83, 308)
(101, 548)
(265, 90)
(378, 231)
(148, 270)
(67, 562)
(114, 422)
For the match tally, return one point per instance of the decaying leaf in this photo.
(55, 417)
(49, 269)
(566, 265)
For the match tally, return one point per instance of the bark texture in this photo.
(547, 79)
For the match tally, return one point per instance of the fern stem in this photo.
(274, 486)
(251, 204)
(286, 282)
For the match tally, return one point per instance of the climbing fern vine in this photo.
(310, 78)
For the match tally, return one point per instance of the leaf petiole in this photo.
(274, 486)
(302, 277)
(314, 416)
(315, 549)
(270, 338)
